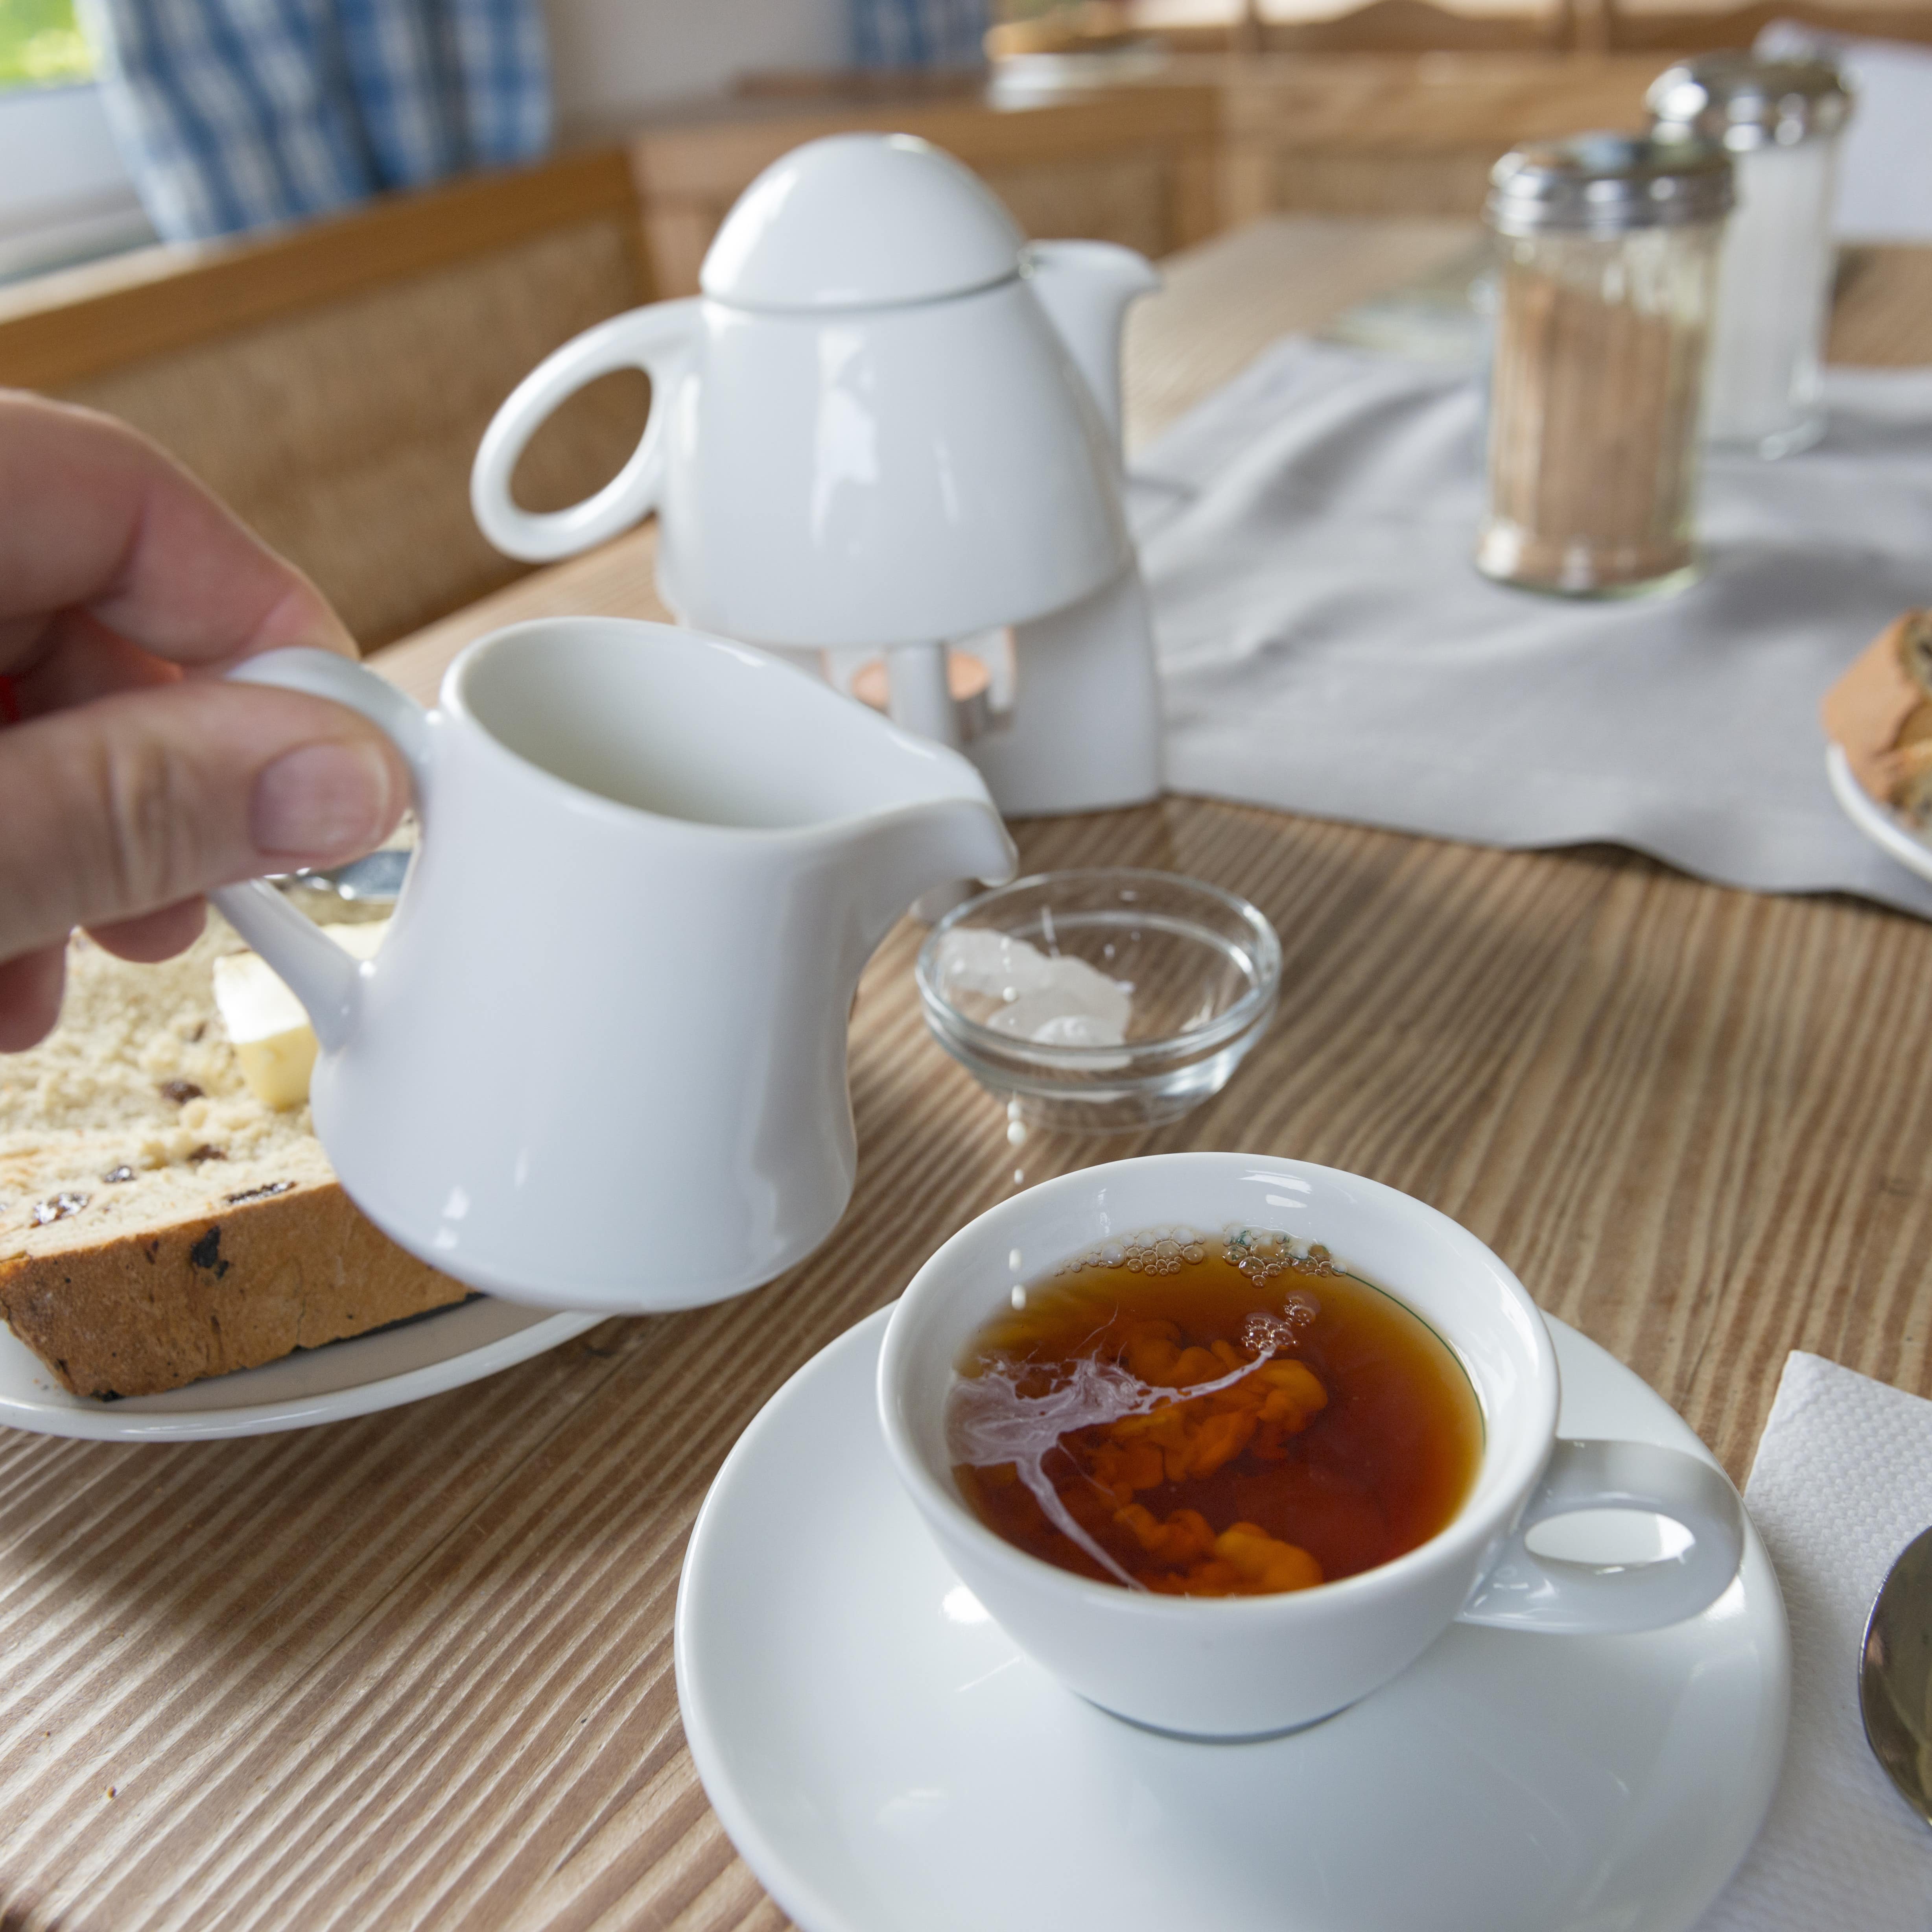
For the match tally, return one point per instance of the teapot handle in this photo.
(658, 340)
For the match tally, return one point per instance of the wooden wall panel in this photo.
(1572, 26)
(1403, 134)
(344, 434)
(1134, 165)
(1129, 199)
(1674, 30)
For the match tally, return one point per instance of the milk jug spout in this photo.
(911, 851)
(1085, 287)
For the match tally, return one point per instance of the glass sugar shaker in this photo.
(1781, 121)
(1608, 248)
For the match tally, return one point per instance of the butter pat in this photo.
(274, 1044)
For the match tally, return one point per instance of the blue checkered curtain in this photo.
(239, 114)
(920, 33)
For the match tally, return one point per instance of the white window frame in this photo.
(65, 194)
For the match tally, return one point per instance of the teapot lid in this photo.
(860, 221)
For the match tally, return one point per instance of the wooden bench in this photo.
(330, 383)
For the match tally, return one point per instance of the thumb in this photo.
(114, 808)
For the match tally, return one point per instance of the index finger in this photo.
(93, 517)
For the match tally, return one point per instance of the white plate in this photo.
(1879, 824)
(425, 1357)
(884, 1757)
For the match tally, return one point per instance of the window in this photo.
(41, 44)
(64, 194)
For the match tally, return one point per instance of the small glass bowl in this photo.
(1177, 980)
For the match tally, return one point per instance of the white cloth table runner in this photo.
(1326, 646)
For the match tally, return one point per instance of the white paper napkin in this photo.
(1843, 1481)
(1326, 645)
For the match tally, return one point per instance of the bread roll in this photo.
(1880, 713)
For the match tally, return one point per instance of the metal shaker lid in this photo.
(1605, 183)
(1746, 102)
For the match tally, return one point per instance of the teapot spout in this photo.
(1085, 287)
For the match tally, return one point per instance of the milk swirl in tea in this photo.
(1201, 1416)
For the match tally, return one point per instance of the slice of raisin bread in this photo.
(157, 1222)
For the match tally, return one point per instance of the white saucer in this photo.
(887, 1761)
(1879, 824)
(415, 1359)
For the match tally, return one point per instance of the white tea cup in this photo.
(1246, 1667)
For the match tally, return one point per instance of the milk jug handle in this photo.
(326, 980)
(1521, 1591)
(658, 340)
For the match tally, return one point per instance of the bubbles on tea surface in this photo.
(1162, 1254)
(1262, 1253)
(1154, 1251)
(990, 1420)
(1265, 1333)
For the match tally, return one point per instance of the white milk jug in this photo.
(599, 1059)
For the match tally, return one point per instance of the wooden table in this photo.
(415, 1669)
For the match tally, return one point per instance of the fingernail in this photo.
(322, 800)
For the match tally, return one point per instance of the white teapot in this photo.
(887, 422)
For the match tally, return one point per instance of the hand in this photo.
(135, 780)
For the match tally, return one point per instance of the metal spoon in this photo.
(1895, 1674)
(373, 880)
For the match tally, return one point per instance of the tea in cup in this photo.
(1225, 1442)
